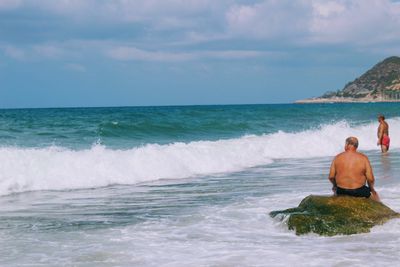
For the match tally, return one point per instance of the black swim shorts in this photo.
(363, 191)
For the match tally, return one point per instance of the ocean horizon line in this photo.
(199, 105)
(147, 106)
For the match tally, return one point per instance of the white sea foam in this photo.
(55, 168)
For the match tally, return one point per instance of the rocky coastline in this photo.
(343, 100)
(381, 83)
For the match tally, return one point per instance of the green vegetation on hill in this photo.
(382, 82)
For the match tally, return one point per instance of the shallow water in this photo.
(205, 221)
(87, 206)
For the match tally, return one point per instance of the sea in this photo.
(185, 185)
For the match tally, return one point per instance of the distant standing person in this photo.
(383, 134)
(349, 172)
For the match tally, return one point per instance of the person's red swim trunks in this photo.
(386, 141)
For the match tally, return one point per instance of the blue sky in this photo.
(181, 52)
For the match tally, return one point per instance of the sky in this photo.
(76, 53)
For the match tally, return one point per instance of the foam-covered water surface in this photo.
(205, 221)
(184, 198)
(58, 168)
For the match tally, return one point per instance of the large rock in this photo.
(330, 215)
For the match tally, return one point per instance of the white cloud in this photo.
(317, 22)
(53, 51)
(269, 19)
(75, 67)
(131, 53)
(159, 25)
(49, 51)
(14, 52)
(10, 4)
(355, 22)
(328, 8)
(126, 53)
(236, 54)
(113, 50)
(150, 11)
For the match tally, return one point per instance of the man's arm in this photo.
(380, 134)
(332, 176)
(369, 174)
(371, 180)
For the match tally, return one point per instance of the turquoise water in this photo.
(127, 127)
(183, 186)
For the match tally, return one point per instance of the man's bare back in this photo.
(383, 128)
(351, 170)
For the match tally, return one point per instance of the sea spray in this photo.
(207, 220)
(57, 168)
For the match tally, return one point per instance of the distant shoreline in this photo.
(343, 100)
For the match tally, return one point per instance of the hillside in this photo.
(380, 83)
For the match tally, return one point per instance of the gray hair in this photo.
(352, 141)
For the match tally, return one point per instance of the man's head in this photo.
(351, 143)
(381, 117)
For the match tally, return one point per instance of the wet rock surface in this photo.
(331, 215)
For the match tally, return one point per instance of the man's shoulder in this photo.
(340, 154)
(362, 155)
(346, 155)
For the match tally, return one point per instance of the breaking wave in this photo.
(58, 168)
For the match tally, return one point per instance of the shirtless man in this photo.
(349, 172)
(383, 134)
